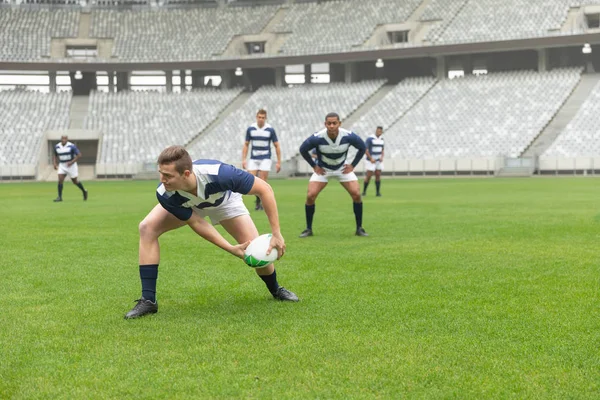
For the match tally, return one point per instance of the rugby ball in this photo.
(255, 254)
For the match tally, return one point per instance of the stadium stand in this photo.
(580, 138)
(393, 105)
(26, 116)
(137, 126)
(481, 116)
(190, 34)
(319, 28)
(26, 33)
(295, 113)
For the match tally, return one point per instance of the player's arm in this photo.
(208, 232)
(368, 145)
(278, 152)
(54, 161)
(265, 192)
(382, 153)
(77, 157)
(357, 142)
(245, 154)
(305, 149)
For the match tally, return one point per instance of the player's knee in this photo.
(355, 196)
(146, 230)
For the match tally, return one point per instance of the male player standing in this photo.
(332, 144)
(191, 191)
(261, 135)
(65, 159)
(374, 160)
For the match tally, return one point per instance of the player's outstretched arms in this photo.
(208, 232)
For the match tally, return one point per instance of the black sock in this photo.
(377, 185)
(257, 200)
(365, 186)
(148, 275)
(310, 213)
(358, 214)
(80, 186)
(271, 281)
(60, 188)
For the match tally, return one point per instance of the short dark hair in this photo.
(379, 127)
(262, 111)
(332, 115)
(177, 155)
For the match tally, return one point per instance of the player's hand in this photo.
(372, 160)
(238, 250)
(244, 163)
(55, 166)
(278, 167)
(318, 170)
(69, 163)
(348, 168)
(278, 243)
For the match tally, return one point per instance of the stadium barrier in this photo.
(18, 172)
(569, 165)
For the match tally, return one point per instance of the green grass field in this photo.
(466, 288)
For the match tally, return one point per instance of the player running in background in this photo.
(332, 144)
(261, 135)
(188, 193)
(374, 160)
(65, 159)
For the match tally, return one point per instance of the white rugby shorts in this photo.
(337, 174)
(72, 171)
(230, 208)
(259, 165)
(377, 165)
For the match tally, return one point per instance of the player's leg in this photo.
(157, 222)
(264, 175)
(366, 183)
(242, 229)
(316, 184)
(378, 182)
(257, 200)
(352, 187)
(77, 183)
(61, 180)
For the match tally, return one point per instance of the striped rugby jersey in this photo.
(261, 139)
(375, 146)
(216, 180)
(332, 154)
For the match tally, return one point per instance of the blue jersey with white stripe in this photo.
(331, 154)
(375, 146)
(65, 153)
(215, 180)
(261, 139)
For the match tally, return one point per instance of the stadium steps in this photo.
(78, 112)
(84, 24)
(277, 18)
(231, 107)
(418, 12)
(563, 116)
(367, 105)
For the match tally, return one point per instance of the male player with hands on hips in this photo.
(188, 193)
(332, 144)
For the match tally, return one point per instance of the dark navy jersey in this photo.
(215, 180)
(65, 153)
(260, 139)
(332, 154)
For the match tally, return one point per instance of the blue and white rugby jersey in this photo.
(216, 181)
(260, 139)
(65, 153)
(330, 154)
(375, 146)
